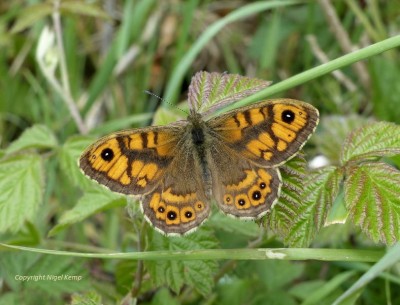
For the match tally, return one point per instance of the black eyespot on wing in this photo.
(241, 202)
(171, 215)
(288, 116)
(262, 185)
(256, 195)
(188, 214)
(107, 154)
(161, 209)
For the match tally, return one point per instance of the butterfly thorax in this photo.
(200, 139)
(197, 129)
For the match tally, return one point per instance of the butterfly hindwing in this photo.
(241, 188)
(179, 204)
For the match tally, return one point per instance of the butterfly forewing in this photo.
(131, 162)
(267, 133)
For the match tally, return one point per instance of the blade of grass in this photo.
(228, 254)
(320, 70)
(391, 257)
(183, 66)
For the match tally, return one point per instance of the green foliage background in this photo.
(72, 71)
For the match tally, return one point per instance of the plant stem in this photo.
(64, 89)
(347, 255)
(320, 70)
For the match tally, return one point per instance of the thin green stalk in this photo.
(347, 255)
(320, 70)
(178, 74)
(363, 19)
(391, 258)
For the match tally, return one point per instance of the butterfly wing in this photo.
(179, 204)
(131, 162)
(249, 144)
(156, 163)
(241, 188)
(268, 133)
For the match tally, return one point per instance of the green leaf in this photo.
(196, 274)
(82, 8)
(29, 235)
(234, 226)
(286, 210)
(21, 191)
(163, 296)
(88, 298)
(66, 275)
(50, 275)
(374, 140)
(235, 291)
(30, 15)
(38, 136)
(125, 275)
(372, 195)
(321, 189)
(69, 155)
(209, 92)
(336, 129)
(89, 204)
(10, 298)
(276, 275)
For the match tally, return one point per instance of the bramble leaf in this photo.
(66, 275)
(211, 91)
(69, 155)
(87, 298)
(234, 226)
(38, 136)
(336, 128)
(286, 209)
(196, 274)
(372, 196)
(21, 190)
(91, 203)
(321, 189)
(374, 140)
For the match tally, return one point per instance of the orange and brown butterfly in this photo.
(177, 170)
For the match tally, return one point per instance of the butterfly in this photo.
(177, 170)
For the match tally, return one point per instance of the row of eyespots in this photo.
(255, 196)
(174, 215)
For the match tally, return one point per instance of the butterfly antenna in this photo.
(164, 101)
